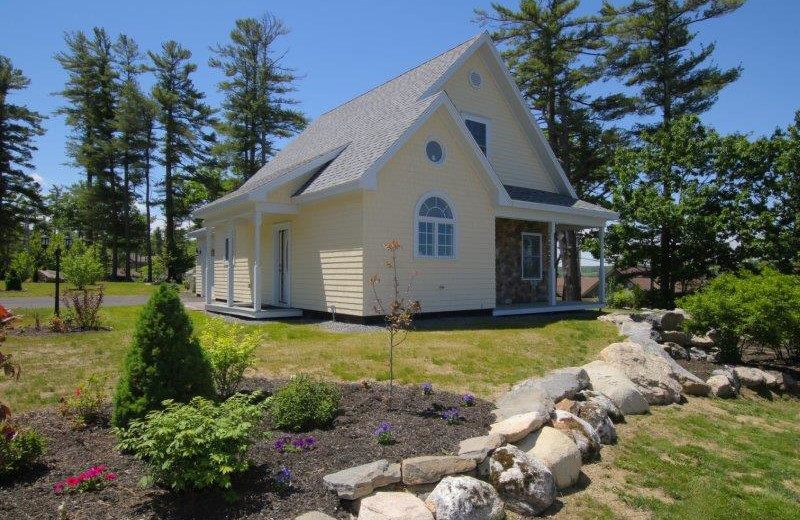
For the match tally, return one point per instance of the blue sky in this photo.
(346, 47)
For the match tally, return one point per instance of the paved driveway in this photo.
(44, 302)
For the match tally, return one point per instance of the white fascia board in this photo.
(439, 83)
(197, 233)
(559, 214)
(204, 212)
(328, 192)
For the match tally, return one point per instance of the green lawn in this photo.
(31, 289)
(483, 359)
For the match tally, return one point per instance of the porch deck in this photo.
(518, 309)
(247, 311)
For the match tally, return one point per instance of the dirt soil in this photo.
(415, 420)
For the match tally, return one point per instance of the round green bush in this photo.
(304, 404)
(13, 280)
(164, 362)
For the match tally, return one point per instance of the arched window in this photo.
(435, 227)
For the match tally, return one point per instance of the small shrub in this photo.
(230, 350)
(384, 434)
(24, 265)
(196, 445)
(303, 404)
(61, 324)
(620, 297)
(289, 444)
(84, 406)
(165, 361)
(452, 416)
(13, 280)
(283, 480)
(468, 400)
(427, 389)
(94, 478)
(82, 266)
(83, 307)
(19, 448)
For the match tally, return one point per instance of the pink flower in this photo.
(58, 487)
(77, 391)
(110, 476)
(73, 481)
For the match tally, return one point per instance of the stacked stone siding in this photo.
(510, 286)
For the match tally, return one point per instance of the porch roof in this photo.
(546, 197)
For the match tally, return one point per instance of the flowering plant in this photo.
(283, 480)
(94, 478)
(85, 405)
(287, 444)
(452, 416)
(468, 399)
(384, 434)
(427, 389)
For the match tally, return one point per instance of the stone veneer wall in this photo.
(510, 286)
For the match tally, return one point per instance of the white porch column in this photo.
(208, 291)
(257, 262)
(231, 259)
(551, 268)
(601, 288)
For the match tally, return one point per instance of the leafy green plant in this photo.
(303, 404)
(165, 360)
(83, 307)
(24, 265)
(84, 406)
(19, 448)
(230, 349)
(620, 298)
(82, 266)
(13, 280)
(196, 445)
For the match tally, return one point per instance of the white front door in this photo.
(282, 267)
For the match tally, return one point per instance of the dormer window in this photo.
(479, 128)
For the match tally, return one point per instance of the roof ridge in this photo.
(470, 40)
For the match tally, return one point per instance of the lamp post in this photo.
(68, 243)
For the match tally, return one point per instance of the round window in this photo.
(434, 151)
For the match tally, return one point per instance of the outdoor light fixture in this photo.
(45, 241)
(68, 240)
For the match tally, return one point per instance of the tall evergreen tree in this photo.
(256, 109)
(652, 52)
(19, 192)
(184, 119)
(551, 52)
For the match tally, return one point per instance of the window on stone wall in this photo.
(531, 256)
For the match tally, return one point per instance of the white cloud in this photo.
(39, 180)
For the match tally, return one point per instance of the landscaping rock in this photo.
(753, 378)
(595, 414)
(695, 387)
(683, 339)
(699, 354)
(721, 387)
(728, 372)
(602, 400)
(524, 483)
(676, 351)
(558, 384)
(557, 451)
(427, 469)
(360, 481)
(652, 375)
(518, 426)
(393, 506)
(580, 431)
(479, 448)
(314, 515)
(523, 399)
(465, 498)
(702, 342)
(668, 320)
(784, 382)
(612, 382)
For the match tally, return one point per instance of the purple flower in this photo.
(427, 388)
(383, 428)
(452, 416)
(310, 442)
(469, 399)
(283, 479)
(384, 434)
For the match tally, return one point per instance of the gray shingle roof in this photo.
(368, 125)
(546, 197)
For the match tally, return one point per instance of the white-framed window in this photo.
(531, 256)
(435, 151)
(479, 127)
(434, 227)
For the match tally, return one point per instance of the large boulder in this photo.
(595, 414)
(676, 351)
(479, 449)
(517, 427)
(387, 505)
(667, 320)
(753, 378)
(721, 386)
(581, 433)
(523, 399)
(558, 384)
(524, 483)
(360, 481)
(558, 452)
(702, 342)
(729, 373)
(652, 375)
(428, 469)
(465, 498)
(602, 400)
(612, 382)
(784, 382)
(683, 339)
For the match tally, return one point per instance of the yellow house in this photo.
(446, 158)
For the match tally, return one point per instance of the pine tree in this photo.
(165, 360)
(550, 52)
(256, 108)
(19, 192)
(653, 53)
(183, 118)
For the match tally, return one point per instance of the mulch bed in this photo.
(415, 419)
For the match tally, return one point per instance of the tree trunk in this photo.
(147, 210)
(127, 220)
(169, 205)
